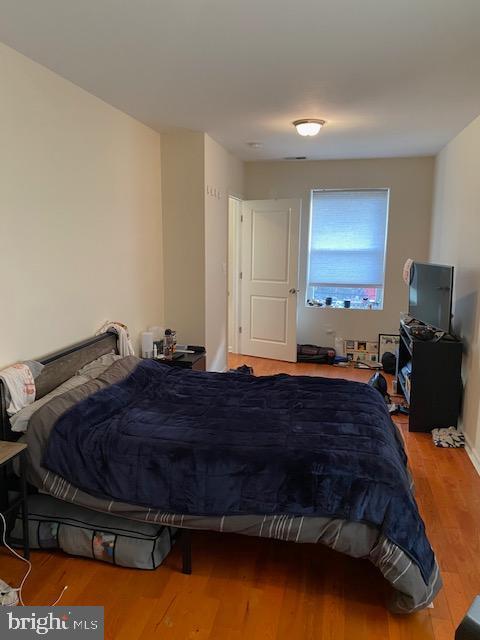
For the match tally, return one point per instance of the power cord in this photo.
(8, 595)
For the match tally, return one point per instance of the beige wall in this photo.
(197, 177)
(410, 183)
(80, 214)
(183, 175)
(456, 240)
(223, 177)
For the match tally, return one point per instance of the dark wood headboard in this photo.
(60, 366)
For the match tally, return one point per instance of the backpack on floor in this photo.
(389, 362)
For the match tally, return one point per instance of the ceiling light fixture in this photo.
(308, 126)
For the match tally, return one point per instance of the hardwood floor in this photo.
(246, 588)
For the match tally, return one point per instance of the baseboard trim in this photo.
(472, 454)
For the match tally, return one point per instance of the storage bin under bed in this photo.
(54, 524)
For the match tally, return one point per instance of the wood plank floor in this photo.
(246, 588)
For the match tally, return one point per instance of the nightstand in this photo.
(194, 361)
(8, 452)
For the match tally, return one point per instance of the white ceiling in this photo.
(391, 77)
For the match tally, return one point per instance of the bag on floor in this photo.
(389, 362)
(378, 382)
(318, 355)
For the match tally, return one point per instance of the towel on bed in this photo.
(124, 343)
(19, 381)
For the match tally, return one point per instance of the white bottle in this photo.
(147, 344)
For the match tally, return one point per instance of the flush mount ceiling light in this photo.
(308, 126)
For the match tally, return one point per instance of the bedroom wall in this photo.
(198, 174)
(456, 240)
(80, 214)
(183, 176)
(223, 175)
(410, 181)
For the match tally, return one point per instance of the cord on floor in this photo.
(20, 588)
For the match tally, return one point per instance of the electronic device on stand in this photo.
(429, 356)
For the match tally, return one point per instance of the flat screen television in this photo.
(430, 294)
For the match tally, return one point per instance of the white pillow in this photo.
(19, 421)
(98, 366)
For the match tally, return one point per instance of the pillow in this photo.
(94, 369)
(19, 421)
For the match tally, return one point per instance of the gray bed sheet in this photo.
(358, 540)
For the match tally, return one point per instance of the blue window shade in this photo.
(347, 238)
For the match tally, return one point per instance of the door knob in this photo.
(294, 290)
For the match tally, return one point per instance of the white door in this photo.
(269, 278)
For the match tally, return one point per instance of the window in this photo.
(347, 248)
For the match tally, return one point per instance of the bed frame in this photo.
(61, 366)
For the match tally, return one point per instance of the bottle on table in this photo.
(168, 344)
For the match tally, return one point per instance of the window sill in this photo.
(308, 306)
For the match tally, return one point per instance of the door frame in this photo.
(233, 278)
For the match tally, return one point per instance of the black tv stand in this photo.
(433, 389)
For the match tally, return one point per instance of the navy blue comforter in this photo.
(211, 443)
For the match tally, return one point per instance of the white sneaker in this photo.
(8, 596)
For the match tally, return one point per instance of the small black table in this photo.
(8, 452)
(194, 361)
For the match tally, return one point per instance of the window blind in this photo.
(347, 238)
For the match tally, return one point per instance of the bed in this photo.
(297, 459)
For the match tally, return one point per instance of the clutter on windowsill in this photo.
(365, 304)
